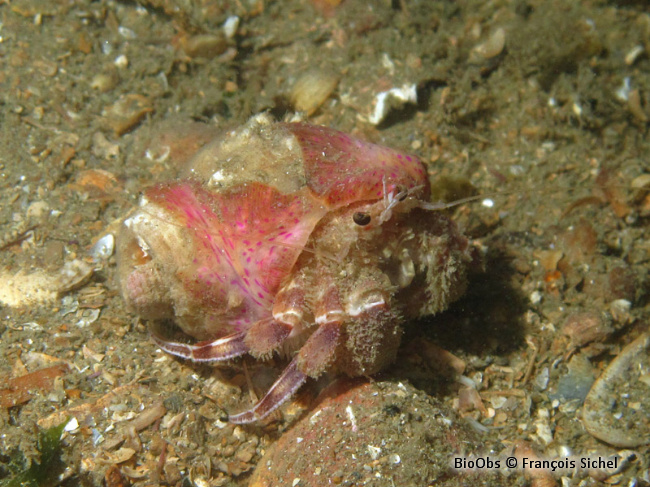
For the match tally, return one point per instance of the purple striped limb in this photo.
(290, 380)
(225, 348)
(314, 358)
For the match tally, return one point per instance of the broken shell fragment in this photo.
(616, 408)
(395, 98)
(104, 82)
(311, 90)
(73, 275)
(27, 289)
(103, 248)
(634, 54)
(21, 389)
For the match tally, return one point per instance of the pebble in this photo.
(312, 89)
(576, 382)
(586, 327)
(395, 440)
(204, 46)
(492, 47)
(126, 112)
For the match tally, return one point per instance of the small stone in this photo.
(312, 89)
(204, 46)
(576, 382)
(104, 82)
(127, 112)
(587, 327)
(230, 26)
(492, 47)
(541, 379)
(121, 61)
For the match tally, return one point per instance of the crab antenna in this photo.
(443, 206)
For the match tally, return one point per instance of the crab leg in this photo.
(266, 336)
(225, 348)
(313, 359)
(290, 380)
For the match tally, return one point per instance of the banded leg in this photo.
(269, 335)
(225, 348)
(373, 333)
(290, 305)
(290, 380)
(314, 357)
(328, 307)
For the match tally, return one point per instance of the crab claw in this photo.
(225, 348)
(290, 380)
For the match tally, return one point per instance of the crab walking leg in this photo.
(290, 380)
(317, 353)
(224, 348)
(266, 336)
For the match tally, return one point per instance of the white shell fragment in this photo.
(633, 54)
(623, 92)
(73, 274)
(72, 425)
(88, 316)
(617, 407)
(103, 248)
(230, 26)
(373, 451)
(385, 101)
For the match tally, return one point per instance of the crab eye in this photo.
(361, 219)
(402, 192)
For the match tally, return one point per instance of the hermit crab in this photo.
(291, 239)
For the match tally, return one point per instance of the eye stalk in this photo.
(361, 219)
